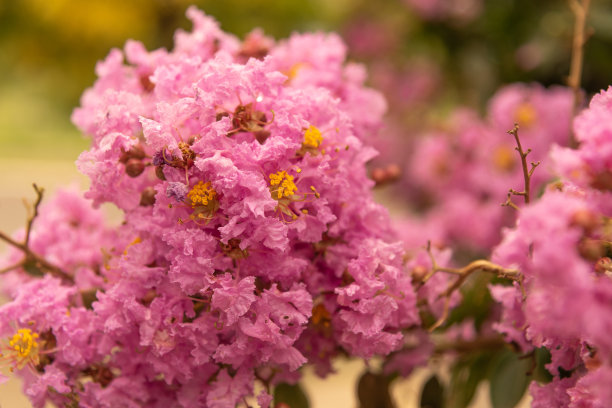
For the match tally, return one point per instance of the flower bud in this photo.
(159, 172)
(147, 198)
(591, 249)
(585, 219)
(603, 264)
(134, 167)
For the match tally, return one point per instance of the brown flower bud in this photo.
(602, 181)
(146, 83)
(603, 264)
(393, 172)
(418, 273)
(221, 115)
(262, 135)
(586, 220)
(147, 198)
(591, 249)
(378, 175)
(136, 152)
(159, 172)
(134, 167)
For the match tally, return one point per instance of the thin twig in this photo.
(462, 274)
(31, 217)
(29, 255)
(11, 267)
(527, 172)
(580, 9)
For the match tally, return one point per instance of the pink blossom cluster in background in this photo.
(458, 176)
(561, 244)
(459, 10)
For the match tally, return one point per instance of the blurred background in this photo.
(426, 56)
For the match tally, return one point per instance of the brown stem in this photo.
(580, 9)
(462, 274)
(527, 172)
(31, 217)
(463, 346)
(24, 246)
(11, 267)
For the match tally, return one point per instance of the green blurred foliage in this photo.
(49, 50)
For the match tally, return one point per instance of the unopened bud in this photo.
(585, 219)
(418, 273)
(393, 172)
(147, 198)
(136, 152)
(146, 83)
(262, 135)
(603, 265)
(378, 175)
(591, 249)
(134, 167)
(159, 172)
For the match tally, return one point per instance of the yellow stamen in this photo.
(284, 181)
(24, 343)
(312, 137)
(201, 194)
(136, 241)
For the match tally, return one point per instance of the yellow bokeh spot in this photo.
(201, 194)
(293, 71)
(525, 114)
(286, 186)
(312, 137)
(504, 158)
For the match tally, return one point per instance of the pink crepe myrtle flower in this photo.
(251, 242)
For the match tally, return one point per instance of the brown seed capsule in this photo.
(603, 264)
(136, 152)
(221, 115)
(393, 172)
(262, 135)
(418, 273)
(134, 167)
(159, 172)
(147, 198)
(378, 175)
(586, 220)
(145, 82)
(591, 249)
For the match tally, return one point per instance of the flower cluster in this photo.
(459, 175)
(561, 246)
(250, 246)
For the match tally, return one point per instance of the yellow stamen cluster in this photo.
(312, 137)
(284, 181)
(201, 194)
(24, 343)
(525, 114)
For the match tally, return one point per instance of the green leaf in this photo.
(465, 377)
(432, 395)
(509, 379)
(291, 395)
(541, 374)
